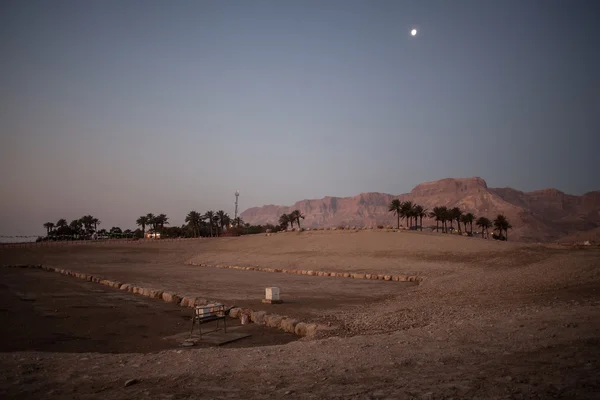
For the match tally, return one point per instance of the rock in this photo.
(201, 301)
(235, 312)
(301, 329)
(273, 320)
(131, 382)
(358, 276)
(125, 286)
(171, 297)
(387, 277)
(188, 302)
(332, 274)
(346, 275)
(587, 243)
(258, 317)
(288, 325)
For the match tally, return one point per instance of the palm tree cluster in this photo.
(80, 227)
(409, 211)
(211, 221)
(290, 219)
(157, 222)
(444, 216)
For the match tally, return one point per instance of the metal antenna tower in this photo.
(237, 195)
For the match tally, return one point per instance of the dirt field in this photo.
(490, 320)
(52, 313)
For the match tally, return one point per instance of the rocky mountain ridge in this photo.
(542, 215)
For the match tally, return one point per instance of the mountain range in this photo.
(541, 215)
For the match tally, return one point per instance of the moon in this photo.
(413, 32)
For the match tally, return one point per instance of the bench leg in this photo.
(193, 322)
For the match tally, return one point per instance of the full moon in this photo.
(413, 32)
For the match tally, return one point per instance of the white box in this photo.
(272, 293)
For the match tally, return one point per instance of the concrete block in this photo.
(272, 293)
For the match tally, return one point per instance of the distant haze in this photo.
(121, 108)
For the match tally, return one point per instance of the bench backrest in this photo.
(210, 310)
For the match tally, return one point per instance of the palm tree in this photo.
(162, 220)
(438, 215)
(87, 221)
(216, 223)
(152, 221)
(223, 219)
(419, 212)
(291, 219)
(96, 222)
(464, 220)
(468, 218)
(446, 217)
(76, 226)
(456, 214)
(484, 224)
(193, 219)
(48, 226)
(296, 215)
(209, 215)
(143, 221)
(501, 224)
(238, 222)
(396, 208)
(61, 223)
(284, 221)
(406, 210)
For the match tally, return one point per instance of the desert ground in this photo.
(487, 319)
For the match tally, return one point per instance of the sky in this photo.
(121, 108)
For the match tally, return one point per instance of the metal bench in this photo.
(210, 313)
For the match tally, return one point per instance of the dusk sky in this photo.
(121, 108)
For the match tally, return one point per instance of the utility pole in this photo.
(237, 195)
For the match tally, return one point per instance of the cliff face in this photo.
(536, 216)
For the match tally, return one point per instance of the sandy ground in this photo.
(491, 320)
(87, 317)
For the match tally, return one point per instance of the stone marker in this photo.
(272, 296)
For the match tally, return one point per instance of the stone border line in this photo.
(381, 277)
(284, 323)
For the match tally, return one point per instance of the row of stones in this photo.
(283, 323)
(383, 277)
(348, 228)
